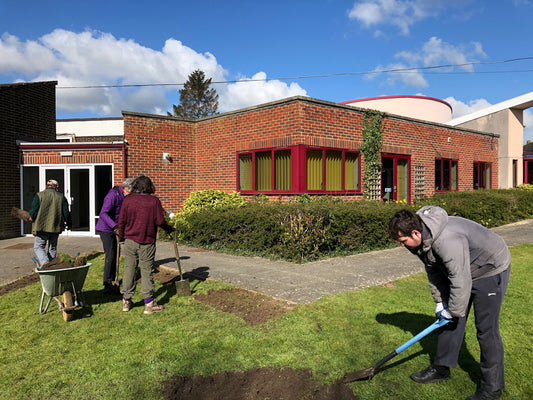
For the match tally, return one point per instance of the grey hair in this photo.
(52, 183)
(127, 184)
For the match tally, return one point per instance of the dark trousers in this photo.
(109, 242)
(486, 297)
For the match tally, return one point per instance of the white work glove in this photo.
(441, 311)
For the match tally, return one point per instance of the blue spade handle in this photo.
(437, 324)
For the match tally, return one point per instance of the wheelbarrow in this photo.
(67, 283)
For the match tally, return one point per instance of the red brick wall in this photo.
(425, 142)
(27, 112)
(95, 156)
(204, 152)
(148, 137)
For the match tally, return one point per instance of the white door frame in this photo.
(66, 168)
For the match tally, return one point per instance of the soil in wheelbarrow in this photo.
(57, 263)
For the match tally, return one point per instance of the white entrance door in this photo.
(84, 186)
(74, 184)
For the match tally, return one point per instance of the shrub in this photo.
(321, 226)
(201, 201)
(488, 207)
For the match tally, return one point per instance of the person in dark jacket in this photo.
(140, 216)
(49, 215)
(107, 228)
(466, 264)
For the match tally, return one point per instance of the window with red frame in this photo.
(299, 169)
(445, 175)
(482, 175)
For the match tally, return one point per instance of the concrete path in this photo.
(298, 283)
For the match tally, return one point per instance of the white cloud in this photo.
(460, 108)
(399, 13)
(434, 52)
(27, 58)
(93, 58)
(243, 94)
(413, 78)
(437, 52)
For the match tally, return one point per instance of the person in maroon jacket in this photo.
(140, 215)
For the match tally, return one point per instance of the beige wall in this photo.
(508, 124)
(418, 107)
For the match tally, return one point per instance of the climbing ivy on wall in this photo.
(371, 149)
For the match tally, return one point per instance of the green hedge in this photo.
(326, 227)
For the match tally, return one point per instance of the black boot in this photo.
(482, 394)
(433, 373)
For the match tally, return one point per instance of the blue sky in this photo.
(332, 50)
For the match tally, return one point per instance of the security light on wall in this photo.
(166, 156)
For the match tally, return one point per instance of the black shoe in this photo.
(107, 290)
(111, 290)
(431, 374)
(482, 394)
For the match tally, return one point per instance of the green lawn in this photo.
(107, 354)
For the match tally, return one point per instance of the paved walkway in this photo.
(298, 283)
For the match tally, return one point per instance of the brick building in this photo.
(27, 113)
(283, 148)
(273, 149)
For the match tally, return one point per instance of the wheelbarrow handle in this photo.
(37, 263)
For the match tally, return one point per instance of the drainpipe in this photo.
(123, 161)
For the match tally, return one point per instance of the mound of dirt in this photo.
(58, 263)
(255, 384)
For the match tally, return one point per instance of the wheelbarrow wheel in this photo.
(68, 305)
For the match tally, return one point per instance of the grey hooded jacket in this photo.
(455, 252)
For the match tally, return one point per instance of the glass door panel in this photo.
(79, 198)
(30, 187)
(387, 179)
(402, 179)
(395, 178)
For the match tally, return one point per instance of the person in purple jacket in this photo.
(107, 226)
(140, 216)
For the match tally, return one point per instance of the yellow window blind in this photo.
(351, 171)
(263, 171)
(282, 170)
(333, 170)
(314, 169)
(245, 172)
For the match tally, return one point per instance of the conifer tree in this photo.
(197, 99)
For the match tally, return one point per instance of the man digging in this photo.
(466, 264)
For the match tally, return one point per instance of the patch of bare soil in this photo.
(255, 384)
(258, 383)
(254, 308)
(165, 275)
(19, 283)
